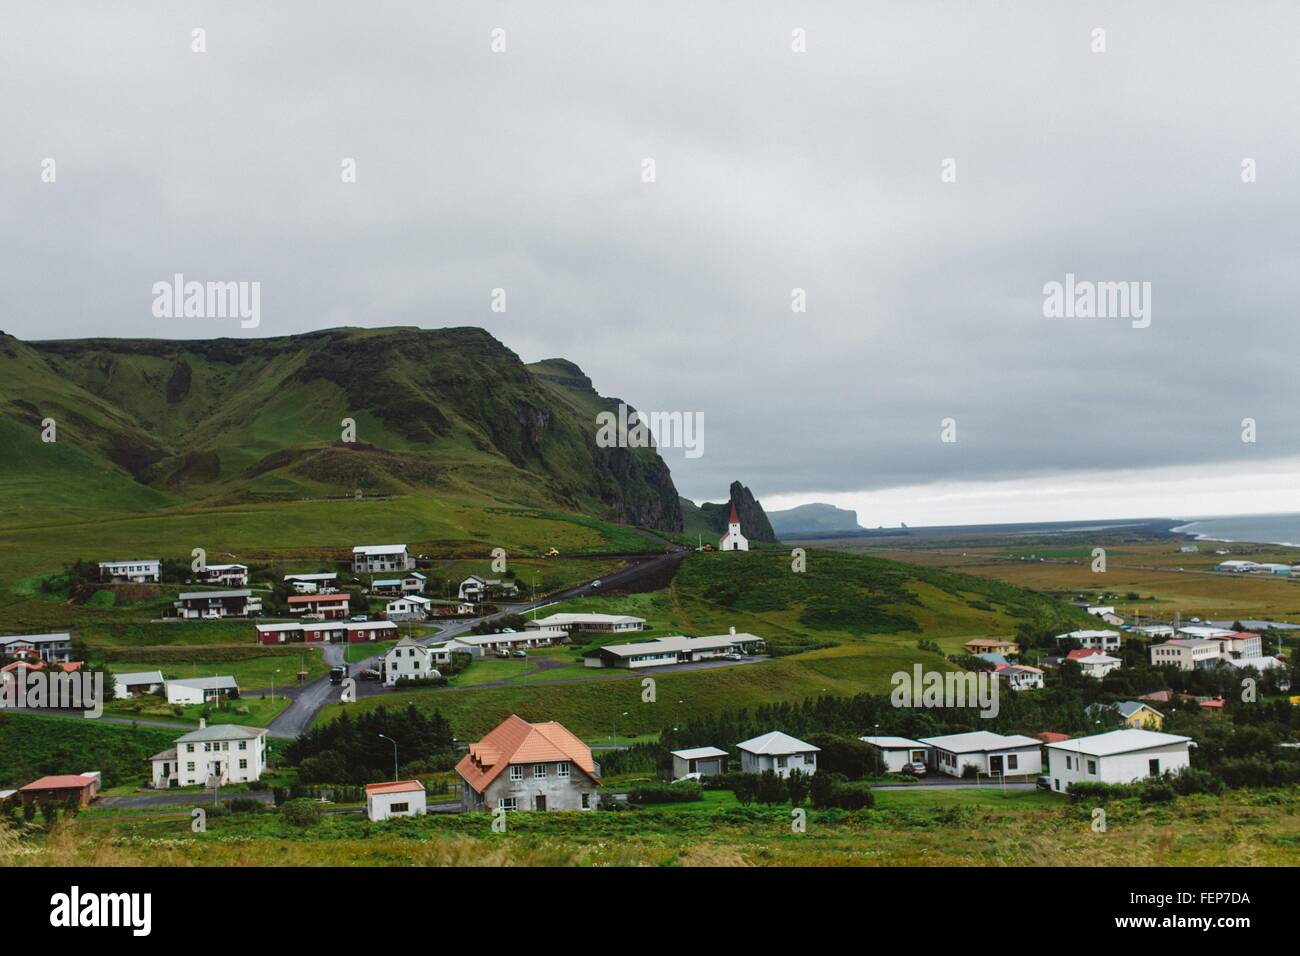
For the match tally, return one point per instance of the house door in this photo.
(995, 764)
(539, 802)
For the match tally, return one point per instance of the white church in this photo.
(733, 540)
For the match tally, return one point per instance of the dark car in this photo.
(1043, 783)
(337, 674)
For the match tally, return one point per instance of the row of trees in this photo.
(353, 749)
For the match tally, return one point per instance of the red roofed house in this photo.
(733, 540)
(322, 607)
(400, 798)
(1051, 737)
(63, 789)
(523, 766)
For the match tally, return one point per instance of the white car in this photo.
(596, 583)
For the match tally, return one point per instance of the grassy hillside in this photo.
(143, 424)
(35, 746)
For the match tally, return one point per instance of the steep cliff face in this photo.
(635, 481)
(753, 521)
(451, 410)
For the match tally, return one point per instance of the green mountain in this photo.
(145, 423)
(816, 517)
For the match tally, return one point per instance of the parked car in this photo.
(368, 673)
(503, 653)
(337, 674)
(359, 618)
(521, 654)
(733, 656)
(1042, 783)
(596, 583)
(916, 768)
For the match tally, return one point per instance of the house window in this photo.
(507, 803)
(243, 765)
(780, 762)
(1153, 766)
(401, 807)
(586, 801)
(1092, 767)
(516, 773)
(190, 766)
(810, 759)
(189, 748)
(539, 770)
(243, 745)
(1069, 763)
(1013, 762)
(561, 769)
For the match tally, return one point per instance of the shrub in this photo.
(686, 791)
(244, 805)
(852, 796)
(771, 788)
(301, 812)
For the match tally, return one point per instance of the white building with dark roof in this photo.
(590, 623)
(137, 684)
(137, 571)
(222, 753)
(673, 650)
(369, 558)
(200, 690)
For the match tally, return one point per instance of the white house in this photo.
(779, 753)
(442, 652)
(224, 753)
(673, 650)
(733, 540)
(408, 660)
(139, 571)
(311, 583)
(705, 761)
(231, 575)
(985, 752)
(1095, 664)
(896, 753)
(368, 558)
(198, 690)
(212, 605)
(1187, 653)
(475, 588)
(401, 798)
(412, 607)
(137, 684)
(414, 583)
(590, 623)
(47, 647)
(1099, 640)
(514, 640)
(1120, 756)
(1020, 676)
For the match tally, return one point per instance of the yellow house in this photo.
(1138, 714)
(988, 645)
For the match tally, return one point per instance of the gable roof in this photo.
(62, 781)
(516, 741)
(206, 683)
(221, 732)
(1127, 708)
(139, 677)
(776, 743)
(699, 753)
(979, 741)
(735, 518)
(395, 786)
(1117, 742)
(894, 743)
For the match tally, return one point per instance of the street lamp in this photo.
(394, 743)
(877, 726)
(273, 673)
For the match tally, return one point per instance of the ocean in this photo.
(1257, 529)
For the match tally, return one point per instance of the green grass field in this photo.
(915, 828)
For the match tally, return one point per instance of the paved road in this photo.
(187, 798)
(81, 715)
(308, 700)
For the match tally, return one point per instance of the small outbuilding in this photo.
(706, 761)
(400, 798)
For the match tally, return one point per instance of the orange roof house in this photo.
(1052, 737)
(529, 766)
(78, 788)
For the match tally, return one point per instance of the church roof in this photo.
(735, 518)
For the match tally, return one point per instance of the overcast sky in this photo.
(775, 170)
